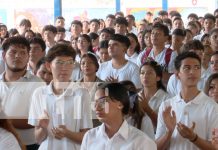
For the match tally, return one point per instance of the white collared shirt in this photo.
(132, 58)
(127, 138)
(202, 110)
(129, 71)
(72, 109)
(8, 141)
(16, 99)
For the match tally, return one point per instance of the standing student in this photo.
(60, 111)
(185, 121)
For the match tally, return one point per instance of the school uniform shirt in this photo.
(16, 100)
(126, 138)
(77, 73)
(8, 141)
(129, 71)
(132, 58)
(72, 109)
(202, 110)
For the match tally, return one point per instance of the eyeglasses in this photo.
(101, 102)
(66, 63)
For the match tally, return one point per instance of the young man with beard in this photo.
(17, 86)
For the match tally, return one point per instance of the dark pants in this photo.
(32, 147)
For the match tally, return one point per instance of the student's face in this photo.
(44, 74)
(48, 36)
(120, 29)
(61, 68)
(147, 39)
(133, 44)
(16, 58)
(207, 54)
(193, 30)
(177, 40)
(206, 41)
(190, 72)
(188, 37)
(148, 76)
(88, 67)
(216, 23)
(158, 37)
(60, 23)
(208, 25)
(94, 26)
(116, 49)
(178, 24)
(214, 40)
(23, 28)
(82, 44)
(109, 22)
(74, 44)
(29, 35)
(103, 54)
(214, 64)
(104, 36)
(106, 109)
(36, 52)
(213, 89)
(60, 36)
(75, 29)
(130, 21)
(3, 31)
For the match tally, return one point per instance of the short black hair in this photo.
(25, 22)
(110, 16)
(40, 41)
(131, 17)
(121, 20)
(121, 38)
(92, 57)
(12, 32)
(163, 13)
(61, 29)
(60, 17)
(110, 31)
(77, 22)
(49, 28)
(103, 44)
(179, 32)
(215, 11)
(94, 20)
(161, 27)
(15, 40)
(184, 55)
(192, 45)
(117, 91)
(193, 15)
(93, 35)
(209, 16)
(60, 50)
(40, 62)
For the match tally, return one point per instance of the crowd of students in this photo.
(111, 84)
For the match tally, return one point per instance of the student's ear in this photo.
(157, 78)
(177, 74)
(3, 56)
(47, 65)
(120, 105)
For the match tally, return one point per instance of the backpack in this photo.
(167, 55)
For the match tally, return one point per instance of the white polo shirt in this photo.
(129, 71)
(16, 99)
(72, 109)
(202, 110)
(126, 138)
(8, 141)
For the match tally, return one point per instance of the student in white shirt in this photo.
(8, 137)
(111, 104)
(119, 69)
(185, 121)
(153, 92)
(17, 86)
(60, 111)
(211, 87)
(134, 48)
(213, 39)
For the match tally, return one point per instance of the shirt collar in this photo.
(27, 75)
(123, 130)
(196, 100)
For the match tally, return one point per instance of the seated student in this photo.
(215, 138)
(213, 39)
(60, 34)
(211, 87)
(111, 105)
(49, 32)
(118, 68)
(185, 121)
(214, 62)
(42, 72)
(61, 110)
(136, 116)
(153, 92)
(9, 139)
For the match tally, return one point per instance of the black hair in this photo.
(12, 32)
(143, 37)
(192, 45)
(16, 40)
(179, 32)
(40, 41)
(25, 22)
(94, 20)
(40, 62)
(103, 44)
(93, 35)
(209, 16)
(204, 36)
(161, 27)
(77, 22)
(88, 39)
(60, 50)
(51, 28)
(121, 20)
(184, 55)
(121, 38)
(213, 30)
(163, 13)
(158, 70)
(131, 17)
(208, 82)
(61, 29)
(193, 15)
(60, 17)
(117, 92)
(110, 16)
(110, 31)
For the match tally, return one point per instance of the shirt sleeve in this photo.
(171, 66)
(84, 141)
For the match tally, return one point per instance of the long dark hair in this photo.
(137, 48)
(158, 71)
(209, 80)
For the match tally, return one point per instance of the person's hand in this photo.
(169, 119)
(111, 79)
(44, 120)
(215, 138)
(58, 133)
(143, 103)
(186, 132)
